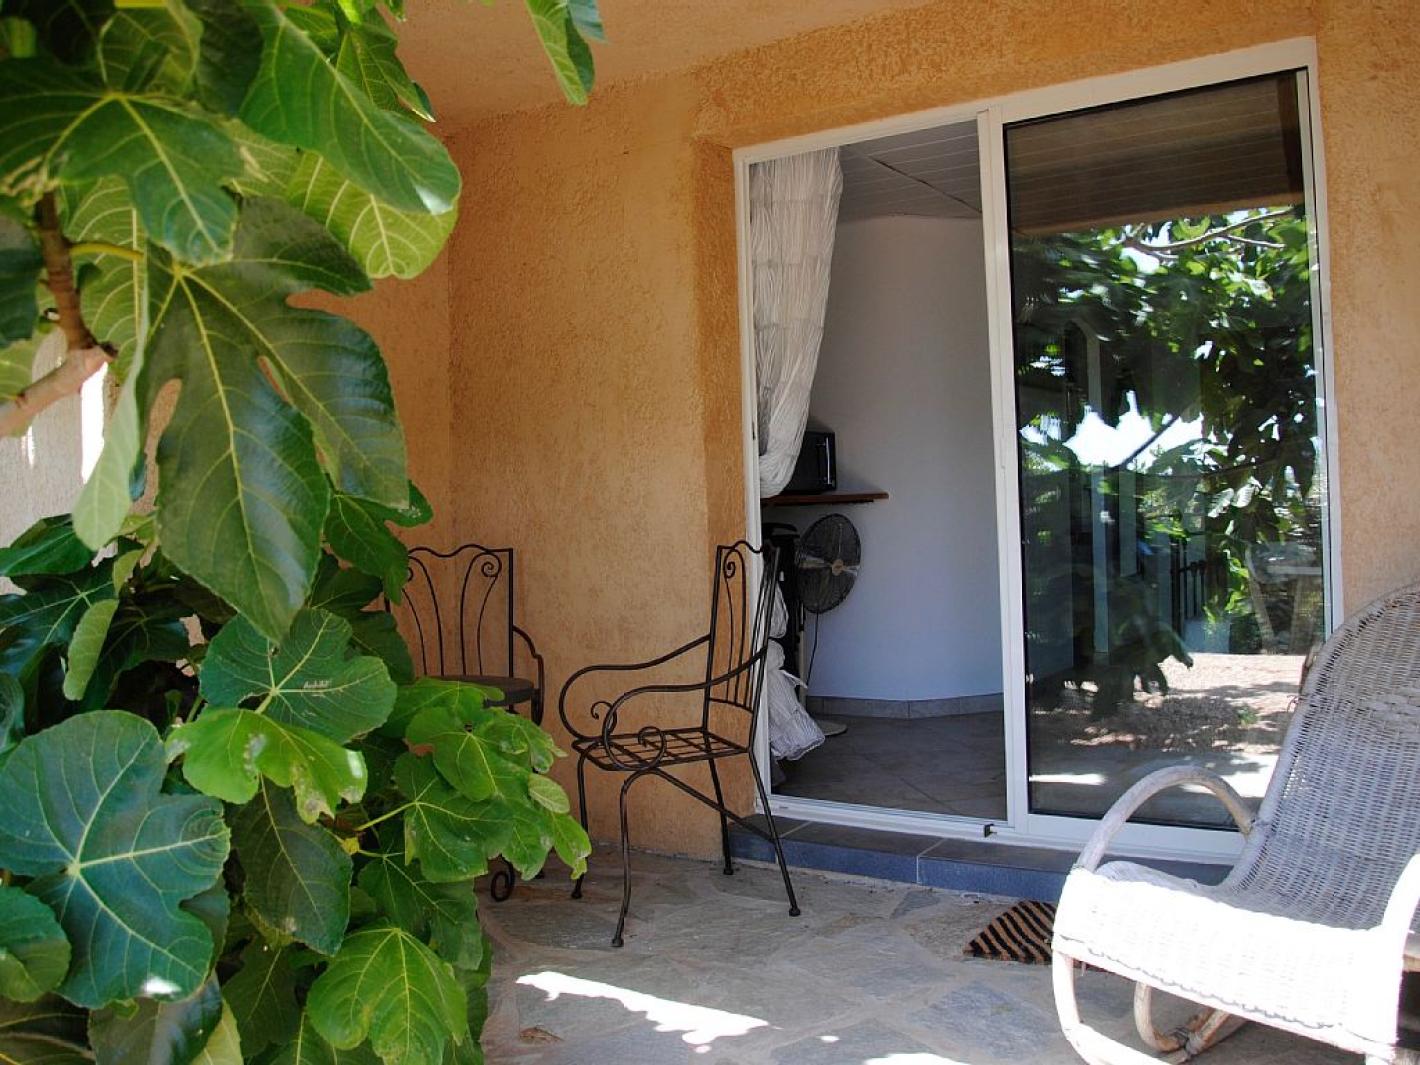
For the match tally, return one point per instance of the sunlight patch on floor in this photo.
(702, 1025)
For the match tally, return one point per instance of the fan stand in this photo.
(831, 726)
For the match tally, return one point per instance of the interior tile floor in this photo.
(956, 765)
(715, 972)
(945, 765)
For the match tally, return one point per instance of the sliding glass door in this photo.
(1168, 439)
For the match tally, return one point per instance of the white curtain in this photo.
(793, 211)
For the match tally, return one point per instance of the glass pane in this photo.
(1170, 462)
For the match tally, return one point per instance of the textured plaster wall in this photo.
(594, 369)
(1370, 104)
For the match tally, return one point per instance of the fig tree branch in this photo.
(85, 356)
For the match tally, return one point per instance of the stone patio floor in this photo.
(715, 972)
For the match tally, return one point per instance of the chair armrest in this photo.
(541, 692)
(1160, 780)
(650, 734)
(626, 667)
(1400, 912)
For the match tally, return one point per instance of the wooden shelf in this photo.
(823, 499)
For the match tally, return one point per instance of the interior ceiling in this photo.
(932, 172)
(478, 59)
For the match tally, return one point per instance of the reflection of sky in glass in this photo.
(1097, 443)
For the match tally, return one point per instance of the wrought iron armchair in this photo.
(458, 613)
(734, 651)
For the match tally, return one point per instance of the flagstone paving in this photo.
(715, 972)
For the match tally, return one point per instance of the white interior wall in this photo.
(42, 471)
(904, 382)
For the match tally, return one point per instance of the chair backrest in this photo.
(740, 615)
(1342, 814)
(457, 610)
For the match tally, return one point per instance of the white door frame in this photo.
(991, 115)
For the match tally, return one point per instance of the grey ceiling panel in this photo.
(931, 172)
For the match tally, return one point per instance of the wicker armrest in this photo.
(1161, 780)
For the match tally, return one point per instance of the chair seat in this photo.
(1219, 947)
(682, 746)
(515, 689)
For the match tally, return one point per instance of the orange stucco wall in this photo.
(590, 397)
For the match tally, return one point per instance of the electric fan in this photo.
(827, 563)
(826, 566)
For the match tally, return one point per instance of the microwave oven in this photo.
(817, 467)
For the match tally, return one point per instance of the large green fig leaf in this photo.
(469, 761)
(146, 629)
(345, 593)
(47, 1032)
(57, 123)
(375, 632)
(19, 273)
(359, 535)
(387, 986)
(150, 1032)
(562, 40)
(149, 47)
(12, 714)
(86, 646)
(367, 57)
(459, 697)
(17, 362)
(297, 875)
(224, 1045)
(384, 240)
(307, 679)
(48, 546)
(262, 996)
(310, 1048)
(34, 955)
(113, 857)
(443, 915)
(226, 752)
(451, 835)
(46, 615)
(300, 98)
(242, 498)
(228, 54)
(115, 305)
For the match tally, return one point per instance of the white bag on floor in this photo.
(792, 733)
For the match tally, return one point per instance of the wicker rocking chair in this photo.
(1312, 929)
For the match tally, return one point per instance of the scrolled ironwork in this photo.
(736, 650)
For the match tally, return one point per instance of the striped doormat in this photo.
(1021, 934)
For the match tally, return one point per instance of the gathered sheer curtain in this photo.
(793, 212)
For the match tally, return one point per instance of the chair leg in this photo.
(724, 821)
(1094, 1047)
(616, 940)
(1203, 1030)
(774, 835)
(581, 813)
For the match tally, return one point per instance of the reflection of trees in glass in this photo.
(1186, 345)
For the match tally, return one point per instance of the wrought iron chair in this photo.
(734, 650)
(458, 613)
